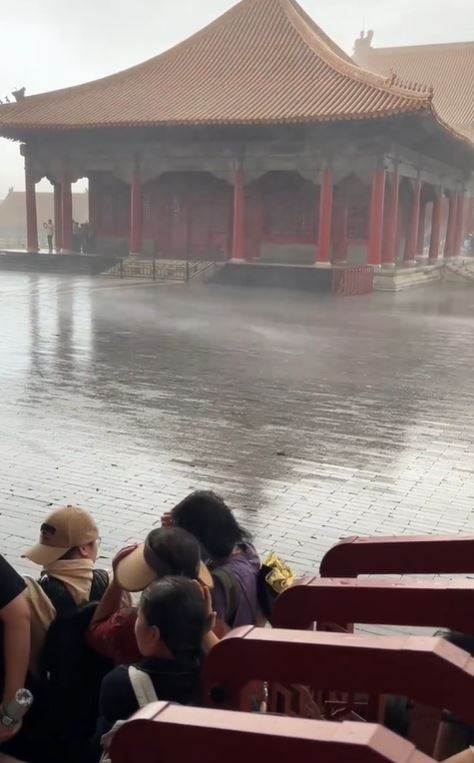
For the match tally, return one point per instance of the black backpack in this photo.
(62, 721)
(71, 679)
(72, 676)
(71, 672)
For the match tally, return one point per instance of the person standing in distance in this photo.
(49, 228)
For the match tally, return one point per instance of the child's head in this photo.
(172, 619)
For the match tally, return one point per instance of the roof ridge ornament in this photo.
(19, 93)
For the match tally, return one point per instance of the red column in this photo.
(339, 233)
(58, 217)
(458, 235)
(31, 218)
(136, 214)
(436, 225)
(238, 237)
(470, 215)
(412, 240)
(389, 253)
(325, 219)
(376, 218)
(66, 208)
(450, 231)
(420, 245)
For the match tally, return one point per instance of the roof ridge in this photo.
(319, 30)
(345, 66)
(424, 46)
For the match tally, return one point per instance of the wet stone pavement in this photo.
(316, 418)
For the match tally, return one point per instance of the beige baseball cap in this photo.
(63, 529)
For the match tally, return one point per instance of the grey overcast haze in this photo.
(49, 44)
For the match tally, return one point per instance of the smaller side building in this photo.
(13, 220)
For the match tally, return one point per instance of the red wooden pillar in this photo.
(412, 240)
(470, 215)
(376, 218)
(339, 233)
(325, 219)
(389, 253)
(420, 246)
(259, 222)
(66, 206)
(31, 217)
(436, 225)
(58, 217)
(136, 214)
(450, 231)
(458, 234)
(238, 236)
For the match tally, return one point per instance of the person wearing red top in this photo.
(167, 551)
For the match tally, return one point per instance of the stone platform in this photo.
(399, 278)
(456, 269)
(43, 262)
(266, 275)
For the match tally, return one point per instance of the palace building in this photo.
(259, 140)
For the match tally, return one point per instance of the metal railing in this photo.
(161, 270)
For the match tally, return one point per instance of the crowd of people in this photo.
(88, 654)
(83, 238)
(93, 646)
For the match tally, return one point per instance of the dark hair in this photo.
(71, 554)
(176, 607)
(209, 519)
(175, 552)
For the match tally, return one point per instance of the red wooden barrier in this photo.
(163, 733)
(447, 604)
(306, 668)
(347, 282)
(399, 555)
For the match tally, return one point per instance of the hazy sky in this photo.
(47, 44)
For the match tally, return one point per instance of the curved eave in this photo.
(456, 134)
(421, 107)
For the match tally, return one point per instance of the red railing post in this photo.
(437, 604)
(400, 555)
(167, 732)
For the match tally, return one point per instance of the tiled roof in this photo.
(448, 68)
(264, 61)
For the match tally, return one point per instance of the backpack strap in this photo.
(58, 593)
(142, 685)
(100, 583)
(231, 592)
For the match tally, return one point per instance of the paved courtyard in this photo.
(316, 418)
